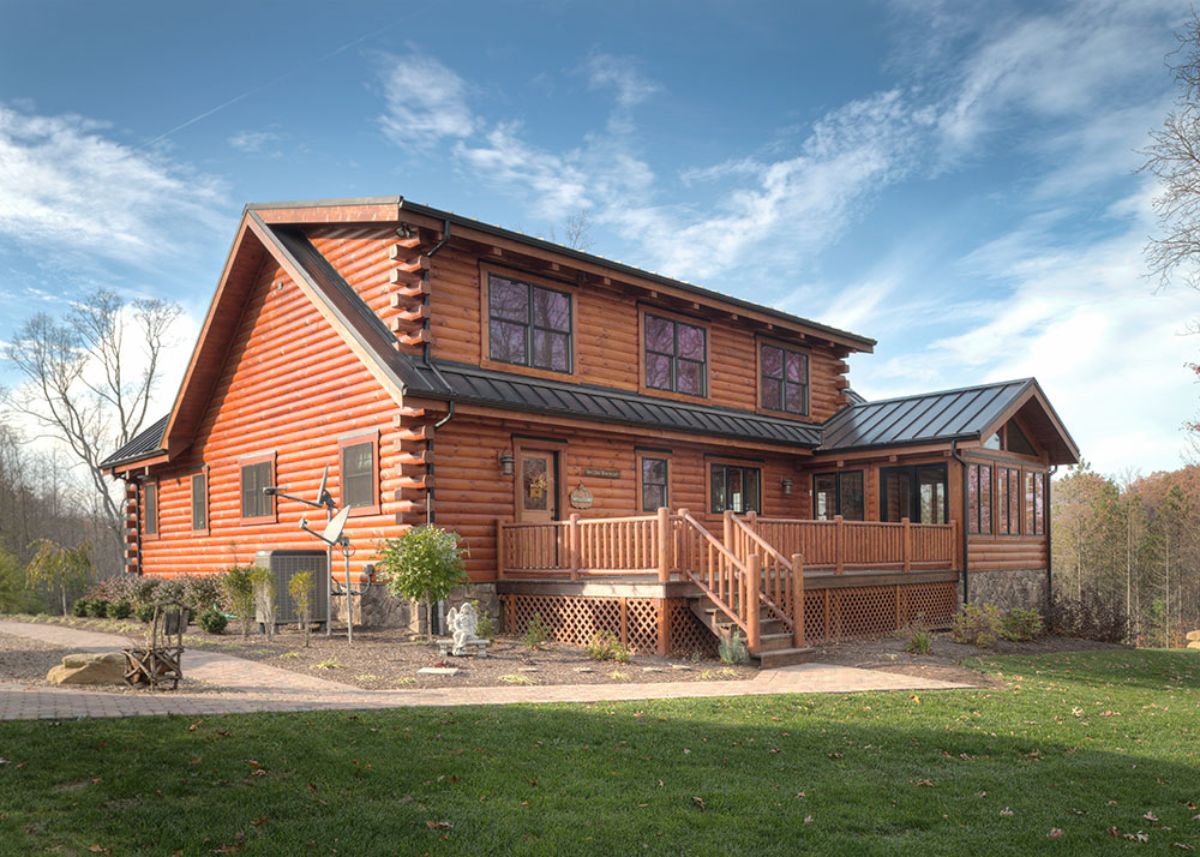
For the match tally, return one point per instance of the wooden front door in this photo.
(537, 485)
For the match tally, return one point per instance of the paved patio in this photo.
(250, 686)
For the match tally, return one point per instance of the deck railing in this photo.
(583, 546)
(731, 583)
(781, 586)
(861, 545)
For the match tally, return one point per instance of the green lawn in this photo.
(1082, 743)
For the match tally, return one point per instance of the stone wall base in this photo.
(1010, 588)
(379, 608)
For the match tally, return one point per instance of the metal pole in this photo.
(349, 594)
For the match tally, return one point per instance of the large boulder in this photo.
(1194, 644)
(1193, 636)
(99, 668)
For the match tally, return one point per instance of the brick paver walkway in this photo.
(249, 686)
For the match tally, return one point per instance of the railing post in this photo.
(798, 600)
(573, 544)
(500, 549)
(839, 545)
(664, 544)
(753, 614)
(752, 518)
(727, 529)
(956, 558)
(907, 545)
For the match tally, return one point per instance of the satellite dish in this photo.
(321, 487)
(333, 530)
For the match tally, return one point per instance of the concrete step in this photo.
(786, 657)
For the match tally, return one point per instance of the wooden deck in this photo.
(754, 576)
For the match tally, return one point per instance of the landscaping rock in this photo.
(1193, 636)
(100, 668)
(1194, 644)
(438, 671)
(584, 670)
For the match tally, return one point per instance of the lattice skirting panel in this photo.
(873, 611)
(634, 621)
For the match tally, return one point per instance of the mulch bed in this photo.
(390, 659)
(945, 659)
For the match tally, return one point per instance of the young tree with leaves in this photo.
(59, 568)
(425, 564)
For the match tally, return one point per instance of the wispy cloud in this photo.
(65, 182)
(621, 74)
(254, 142)
(425, 101)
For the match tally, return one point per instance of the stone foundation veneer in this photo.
(1010, 588)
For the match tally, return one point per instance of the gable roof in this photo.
(969, 413)
(376, 207)
(966, 413)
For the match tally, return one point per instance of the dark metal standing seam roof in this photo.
(925, 418)
(146, 443)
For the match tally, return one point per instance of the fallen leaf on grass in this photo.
(1182, 846)
(438, 825)
(808, 819)
(1150, 816)
(1137, 837)
(195, 725)
(99, 849)
(260, 821)
(1007, 813)
(699, 801)
(923, 783)
(1055, 833)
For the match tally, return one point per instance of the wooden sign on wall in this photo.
(602, 472)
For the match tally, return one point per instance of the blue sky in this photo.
(957, 180)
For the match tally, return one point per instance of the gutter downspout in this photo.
(966, 529)
(1049, 540)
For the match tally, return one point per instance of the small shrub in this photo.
(238, 587)
(290, 655)
(732, 648)
(1089, 618)
(606, 647)
(516, 678)
(144, 612)
(619, 675)
(263, 581)
(1020, 625)
(81, 607)
(536, 632)
(978, 626)
(213, 621)
(486, 629)
(199, 592)
(331, 664)
(405, 679)
(98, 608)
(722, 673)
(118, 610)
(300, 588)
(425, 564)
(919, 642)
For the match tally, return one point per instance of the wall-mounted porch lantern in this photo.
(786, 485)
(506, 462)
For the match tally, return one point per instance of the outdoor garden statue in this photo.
(463, 623)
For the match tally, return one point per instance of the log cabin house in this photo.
(620, 450)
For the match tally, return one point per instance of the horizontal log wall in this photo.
(607, 348)
(472, 493)
(290, 385)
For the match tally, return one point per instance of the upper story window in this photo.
(783, 379)
(736, 489)
(838, 494)
(529, 325)
(257, 475)
(676, 356)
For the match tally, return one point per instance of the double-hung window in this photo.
(783, 379)
(838, 494)
(979, 499)
(676, 356)
(654, 481)
(529, 325)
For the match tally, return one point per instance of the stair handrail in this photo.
(770, 550)
(739, 571)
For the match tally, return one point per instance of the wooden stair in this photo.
(775, 648)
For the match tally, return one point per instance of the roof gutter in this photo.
(966, 530)
(1049, 539)
(427, 355)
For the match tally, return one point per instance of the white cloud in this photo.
(622, 76)
(65, 184)
(426, 101)
(1082, 318)
(254, 142)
